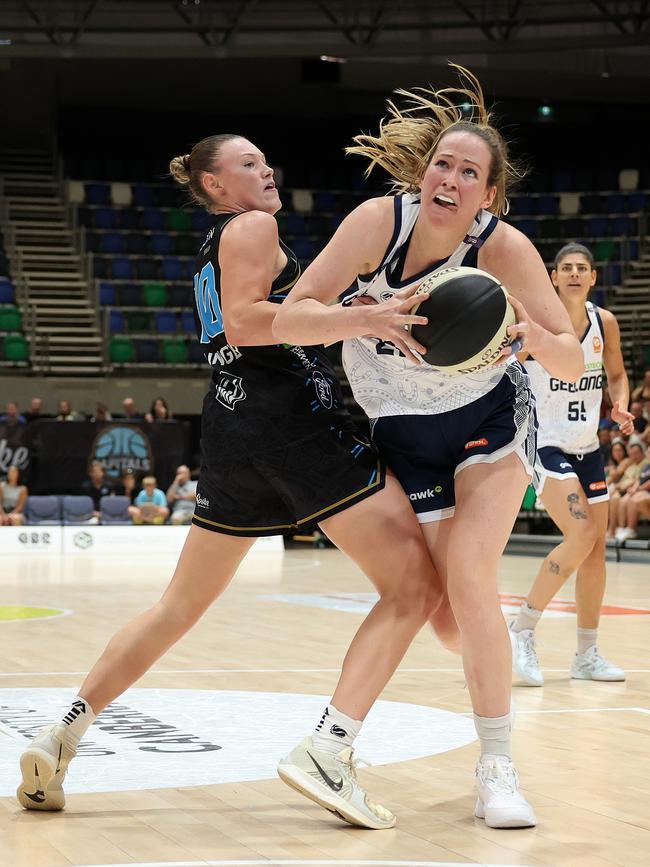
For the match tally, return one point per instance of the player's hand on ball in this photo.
(392, 321)
(525, 333)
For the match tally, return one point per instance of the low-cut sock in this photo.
(335, 731)
(587, 638)
(527, 618)
(77, 720)
(494, 734)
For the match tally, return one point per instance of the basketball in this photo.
(468, 313)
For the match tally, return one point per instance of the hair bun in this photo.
(179, 169)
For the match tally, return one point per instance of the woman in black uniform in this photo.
(278, 451)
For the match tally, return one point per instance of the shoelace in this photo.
(496, 777)
(597, 661)
(530, 653)
(354, 763)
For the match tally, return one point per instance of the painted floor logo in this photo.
(14, 613)
(361, 603)
(168, 738)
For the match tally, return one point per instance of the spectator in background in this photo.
(35, 411)
(604, 442)
(130, 413)
(642, 392)
(635, 503)
(96, 485)
(640, 423)
(150, 505)
(626, 481)
(181, 496)
(617, 464)
(102, 413)
(66, 413)
(127, 485)
(13, 496)
(159, 411)
(12, 418)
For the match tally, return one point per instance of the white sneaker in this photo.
(524, 656)
(592, 666)
(624, 533)
(43, 765)
(499, 800)
(331, 781)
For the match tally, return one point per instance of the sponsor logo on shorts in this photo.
(425, 495)
(474, 444)
(323, 389)
(202, 501)
(598, 486)
(229, 390)
(598, 344)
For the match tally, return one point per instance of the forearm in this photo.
(619, 391)
(311, 322)
(559, 354)
(253, 325)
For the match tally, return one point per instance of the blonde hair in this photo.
(188, 169)
(409, 136)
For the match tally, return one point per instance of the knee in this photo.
(417, 592)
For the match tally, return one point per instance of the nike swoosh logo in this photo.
(335, 786)
(38, 796)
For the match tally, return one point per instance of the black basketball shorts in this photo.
(247, 488)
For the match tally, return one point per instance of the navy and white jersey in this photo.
(568, 413)
(383, 381)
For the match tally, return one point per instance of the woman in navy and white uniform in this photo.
(462, 445)
(570, 478)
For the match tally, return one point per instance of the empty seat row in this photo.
(574, 227)
(152, 294)
(143, 322)
(11, 319)
(126, 351)
(147, 219)
(14, 349)
(7, 291)
(572, 204)
(138, 242)
(76, 510)
(172, 269)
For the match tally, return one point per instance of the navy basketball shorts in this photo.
(426, 452)
(589, 469)
(254, 488)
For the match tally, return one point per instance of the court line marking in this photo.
(576, 710)
(308, 862)
(275, 671)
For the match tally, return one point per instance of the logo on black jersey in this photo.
(229, 390)
(323, 389)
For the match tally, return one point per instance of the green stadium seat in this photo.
(137, 322)
(604, 250)
(174, 352)
(155, 295)
(11, 319)
(186, 245)
(121, 350)
(16, 348)
(178, 220)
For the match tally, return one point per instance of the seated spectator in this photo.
(12, 418)
(640, 423)
(620, 488)
(150, 505)
(96, 485)
(35, 411)
(617, 463)
(181, 496)
(159, 411)
(66, 413)
(13, 496)
(636, 503)
(101, 413)
(605, 442)
(130, 413)
(642, 392)
(126, 486)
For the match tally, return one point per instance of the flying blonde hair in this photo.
(409, 136)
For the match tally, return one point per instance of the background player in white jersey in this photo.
(461, 445)
(570, 477)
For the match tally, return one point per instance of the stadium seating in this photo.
(42, 510)
(78, 510)
(114, 510)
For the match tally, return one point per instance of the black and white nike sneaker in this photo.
(331, 781)
(43, 765)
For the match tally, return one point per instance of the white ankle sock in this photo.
(78, 719)
(335, 731)
(494, 734)
(586, 638)
(528, 618)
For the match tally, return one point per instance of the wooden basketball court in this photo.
(182, 772)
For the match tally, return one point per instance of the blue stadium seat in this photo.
(100, 268)
(166, 322)
(196, 353)
(528, 227)
(324, 202)
(129, 218)
(563, 182)
(623, 226)
(162, 245)
(180, 295)
(335, 221)
(597, 227)
(201, 220)
(111, 242)
(105, 218)
(92, 242)
(636, 202)
(147, 269)
(573, 229)
(187, 322)
(615, 203)
(303, 248)
(547, 206)
(7, 292)
(296, 224)
(130, 295)
(137, 243)
(115, 510)
(122, 269)
(107, 294)
(98, 194)
(591, 204)
(143, 195)
(173, 269)
(153, 220)
(147, 351)
(633, 249)
(116, 323)
(78, 510)
(42, 510)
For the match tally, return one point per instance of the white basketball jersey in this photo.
(383, 382)
(568, 413)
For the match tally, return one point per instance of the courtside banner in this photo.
(60, 452)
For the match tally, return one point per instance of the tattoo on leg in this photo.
(575, 509)
(554, 567)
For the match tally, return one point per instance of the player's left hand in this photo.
(624, 419)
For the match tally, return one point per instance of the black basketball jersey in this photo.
(279, 392)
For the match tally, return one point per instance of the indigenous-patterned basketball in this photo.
(468, 313)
